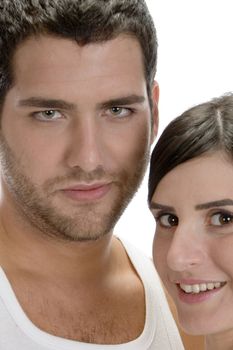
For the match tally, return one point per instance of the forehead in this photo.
(208, 177)
(49, 61)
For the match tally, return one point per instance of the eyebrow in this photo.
(207, 205)
(154, 205)
(126, 100)
(219, 203)
(41, 102)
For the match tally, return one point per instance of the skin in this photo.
(70, 164)
(85, 143)
(193, 243)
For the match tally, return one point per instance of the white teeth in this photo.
(186, 288)
(197, 288)
(203, 287)
(210, 286)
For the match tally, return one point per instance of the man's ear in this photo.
(155, 112)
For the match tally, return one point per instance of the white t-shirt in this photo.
(17, 332)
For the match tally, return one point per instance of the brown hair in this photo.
(85, 21)
(205, 128)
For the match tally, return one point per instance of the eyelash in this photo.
(36, 115)
(128, 111)
(160, 215)
(221, 213)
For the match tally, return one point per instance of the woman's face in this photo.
(193, 244)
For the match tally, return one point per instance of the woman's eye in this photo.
(120, 112)
(48, 115)
(220, 219)
(167, 220)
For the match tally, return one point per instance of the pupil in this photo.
(116, 109)
(226, 219)
(172, 220)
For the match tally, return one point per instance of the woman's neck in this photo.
(219, 341)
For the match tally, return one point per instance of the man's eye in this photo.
(48, 115)
(167, 220)
(220, 219)
(120, 112)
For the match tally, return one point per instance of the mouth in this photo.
(201, 287)
(194, 293)
(85, 192)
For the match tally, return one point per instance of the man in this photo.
(78, 116)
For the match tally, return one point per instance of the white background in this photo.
(195, 59)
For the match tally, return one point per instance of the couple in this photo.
(78, 117)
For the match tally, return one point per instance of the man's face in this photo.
(75, 134)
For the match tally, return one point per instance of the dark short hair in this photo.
(85, 21)
(205, 128)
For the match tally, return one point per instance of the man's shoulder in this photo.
(135, 253)
(141, 263)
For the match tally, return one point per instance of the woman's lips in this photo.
(198, 292)
(87, 192)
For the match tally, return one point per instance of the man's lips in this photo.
(87, 192)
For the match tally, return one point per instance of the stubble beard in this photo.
(87, 223)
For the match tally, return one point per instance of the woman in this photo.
(191, 198)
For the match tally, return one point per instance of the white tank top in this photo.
(17, 332)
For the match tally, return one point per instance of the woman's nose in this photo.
(187, 249)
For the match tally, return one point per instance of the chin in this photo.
(195, 325)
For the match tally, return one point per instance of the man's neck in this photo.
(85, 291)
(26, 247)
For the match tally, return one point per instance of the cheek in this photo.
(160, 250)
(42, 163)
(222, 254)
(128, 148)
(32, 156)
(25, 142)
(138, 144)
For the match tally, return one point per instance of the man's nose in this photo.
(187, 249)
(85, 148)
